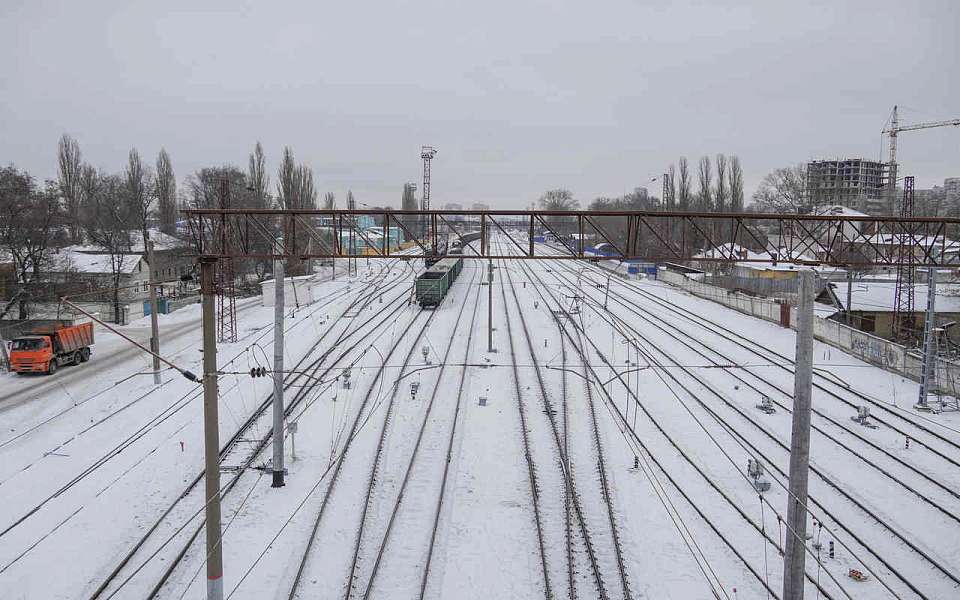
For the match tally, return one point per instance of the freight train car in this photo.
(433, 284)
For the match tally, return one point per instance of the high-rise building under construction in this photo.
(857, 183)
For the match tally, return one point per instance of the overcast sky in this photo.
(518, 96)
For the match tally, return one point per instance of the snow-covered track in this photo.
(358, 419)
(918, 428)
(305, 370)
(357, 587)
(572, 502)
(858, 502)
(695, 501)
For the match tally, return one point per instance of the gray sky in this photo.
(518, 96)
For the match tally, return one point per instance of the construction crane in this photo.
(894, 129)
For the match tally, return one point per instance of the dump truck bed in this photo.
(69, 339)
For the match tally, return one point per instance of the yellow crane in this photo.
(892, 130)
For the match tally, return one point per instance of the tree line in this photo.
(115, 211)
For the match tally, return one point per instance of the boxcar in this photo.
(433, 284)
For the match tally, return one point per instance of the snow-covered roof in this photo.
(726, 251)
(888, 239)
(878, 296)
(763, 262)
(838, 211)
(96, 264)
(161, 241)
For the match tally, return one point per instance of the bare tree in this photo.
(782, 190)
(89, 188)
(735, 177)
(306, 192)
(258, 178)
(721, 192)
(705, 181)
(166, 193)
(671, 199)
(136, 182)
(27, 214)
(108, 225)
(559, 199)
(329, 201)
(204, 188)
(69, 174)
(287, 180)
(683, 190)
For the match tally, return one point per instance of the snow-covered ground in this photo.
(595, 452)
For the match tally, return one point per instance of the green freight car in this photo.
(434, 283)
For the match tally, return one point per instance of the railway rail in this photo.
(549, 298)
(632, 332)
(374, 467)
(305, 369)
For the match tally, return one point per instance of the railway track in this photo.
(653, 346)
(573, 509)
(305, 370)
(385, 531)
(783, 399)
(697, 503)
(375, 462)
(165, 414)
(922, 430)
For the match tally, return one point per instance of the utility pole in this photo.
(154, 324)
(490, 305)
(796, 538)
(278, 285)
(606, 291)
(849, 296)
(211, 432)
(929, 354)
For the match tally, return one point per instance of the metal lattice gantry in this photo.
(829, 240)
(226, 276)
(904, 328)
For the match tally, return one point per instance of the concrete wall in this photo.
(869, 348)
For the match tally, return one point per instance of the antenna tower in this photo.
(226, 278)
(426, 153)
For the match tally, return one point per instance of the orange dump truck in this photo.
(47, 347)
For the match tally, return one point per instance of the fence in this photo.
(868, 348)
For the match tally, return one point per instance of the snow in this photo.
(97, 264)
(161, 241)
(838, 211)
(879, 296)
(683, 408)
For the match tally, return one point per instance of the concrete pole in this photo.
(490, 305)
(278, 286)
(211, 432)
(154, 324)
(795, 543)
(849, 296)
(606, 292)
(929, 348)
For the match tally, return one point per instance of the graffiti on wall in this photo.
(876, 350)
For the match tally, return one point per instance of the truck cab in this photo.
(32, 354)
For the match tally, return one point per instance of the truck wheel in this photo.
(75, 359)
(84, 354)
(52, 367)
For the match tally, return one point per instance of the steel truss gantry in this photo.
(843, 241)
